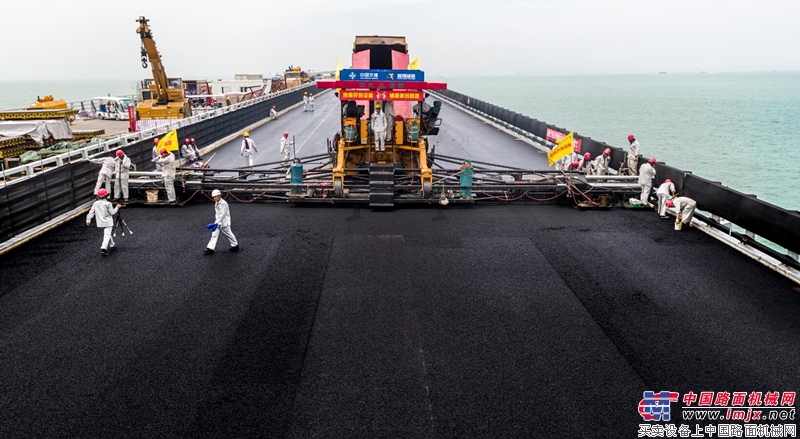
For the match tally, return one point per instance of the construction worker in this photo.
(311, 101)
(633, 154)
(574, 166)
(195, 148)
(122, 167)
(156, 154)
(187, 150)
(305, 101)
(273, 113)
(602, 162)
(684, 207)
(167, 161)
(222, 219)
(248, 149)
(646, 175)
(104, 177)
(586, 164)
(664, 192)
(379, 124)
(104, 212)
(285, 144)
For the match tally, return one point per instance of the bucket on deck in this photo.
(152, 196)
(678, 225)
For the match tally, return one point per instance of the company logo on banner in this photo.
(556, 137)
(383, 75)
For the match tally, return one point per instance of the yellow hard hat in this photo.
(377, 105)
(305, 92)
(247, 134)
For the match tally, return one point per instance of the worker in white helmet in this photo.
(633, 154)
(285, 146)
(167, 161)
(104, 213)
(222, 221)
(104, 177)
(646, 175)
(305, 101)
(311, 102)
(379, 124)
(248, 149)
(664, 192)
(684, 206)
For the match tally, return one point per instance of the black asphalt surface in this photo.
(344, 322)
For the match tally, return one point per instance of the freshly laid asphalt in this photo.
(440, 322)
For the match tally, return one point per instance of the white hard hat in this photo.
(216, 193)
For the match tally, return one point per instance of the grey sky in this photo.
(95, 39)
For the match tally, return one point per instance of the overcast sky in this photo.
(203, 39)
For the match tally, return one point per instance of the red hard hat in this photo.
(120, 153)
(186, 140)
(102, 193)
(156, 140)
(587, 156)
(162, 150)
(575, 164)
(607, 151)
(273, 106)
(652, 160)
(670, 203)
(668, 181)
(630, 137)
(191, 140)
(285, 133)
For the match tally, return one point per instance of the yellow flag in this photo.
(563, 148)
(414, 65)
(338, 68)
(169, 141)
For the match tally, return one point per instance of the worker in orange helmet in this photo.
(664, 192)
(167, 161)
(646, 175)
(633, 154)
(602, 162)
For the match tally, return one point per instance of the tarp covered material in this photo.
(38, 130)
(58, 148)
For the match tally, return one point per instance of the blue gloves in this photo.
(212, 227)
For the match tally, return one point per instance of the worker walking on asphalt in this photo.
(646, 175)
(248, 149)
(187, 150)
(273, 113)
(104, 177)
(305, 101)
(586, 164)
(684, 207)
(222, 219)
(104, 211)
(379, 124)
(167, 162)
(156, 154)
(633, 154)
(122, 167)
(664, 192)
(285, 144)
(602, 162)
(311, 101)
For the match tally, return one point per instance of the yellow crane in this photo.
(162, 97)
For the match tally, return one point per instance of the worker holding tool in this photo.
(222, 223)
(664, 192)
(273, 113)
(122, 167)
(602, 162)
(311, 101)
(379, 124)
(305, 101)
(187, 150)
(104, 212)
(684, 207)
(248, 148)
(167, 161)
(156, 154)
(104, 177)
(586, 164)
(633, 154)
(646, 175)
(285, 144)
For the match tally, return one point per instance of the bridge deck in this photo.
(488, 321)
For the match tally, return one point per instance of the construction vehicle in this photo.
(295, 77)
(48, 103)
(162, 97)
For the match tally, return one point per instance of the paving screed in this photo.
(485, 321)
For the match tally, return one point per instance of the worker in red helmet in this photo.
(106, 172)
(684, 208)
(122, 167)
(273, 113)
(285, 145)
(573, 166)
(156, 155)
(586, 164)
(104, 213)
(664, 192)
(633, 154)
(187, 150)
(195, 148)
(167, 161)
(647, 172)
(602, 162)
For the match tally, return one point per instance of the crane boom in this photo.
(149, 52)
(164, 97)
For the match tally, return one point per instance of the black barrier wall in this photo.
(767, 220)
(44, 196)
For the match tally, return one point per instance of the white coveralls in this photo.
(601, 164)
(188, 152)
(379, 129)
(633, 156)
(646, 175)
(156, 156)
(305, 102)
(285, 144)
(168, 174)
(105, 173)
(273, 114)
(663, 192)
(685, 207)
(586, 166)
(123, 169)
(248, 150)
(105, 212)
(311, 103)
(222, 219)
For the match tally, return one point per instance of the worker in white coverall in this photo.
(222, 218)
(167, 162)
(311, 101)
(273, 113)
(633, 154)
(379, 124)
(248, 149)
(104, 213)
(684, 206)
(586, 164)
(195, 148)
(156, 155)
(122, 168)
(602, 162)
(664, 192)
(187, 150)
(305, 101)
(646, 175)
(285, 144)
(104, 177)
